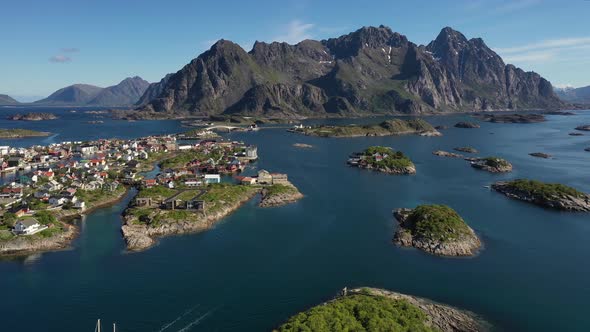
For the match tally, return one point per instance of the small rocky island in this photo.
(467, 149)
(442, 153)
(513, 118)
(32, 117)
(467, 125)
(540, 155)
(436, 229)
(551, 195)
(492, 165)
(372, 309)
(386, 128)
(302, 146)
(383, 159)
(583, 127)
(21, 133)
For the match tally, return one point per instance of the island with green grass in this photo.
(372, 309)
(386, 128)
(492, 164)
(551, 195)
(436, 229)
(382, 159)
(21, 133)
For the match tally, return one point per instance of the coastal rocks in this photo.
(492, 165)
(383, 159)
(303, 146)
(560, 113)
(441, 127)
(583, 127)
(513, 118)
(540, 155)
(551, 195)
(587, 149)
(441, 153)
(467, 125)
(466, 149)
(576, 134)
(34, 243)
(439, 316)
(21, 133)
(32, 117)
(435, 229)
(278, 195)
(140, 236)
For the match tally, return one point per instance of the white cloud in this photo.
(295, 31)
(70, 50)
(60, 59)
(530, 57)
(548, 44)
(563, 86)
(545, 51)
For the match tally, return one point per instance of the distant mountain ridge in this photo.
(126, 93)
(370, 71)
(8, 100)
(574, 95)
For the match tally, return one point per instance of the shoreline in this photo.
(140, 237)
(26, 245)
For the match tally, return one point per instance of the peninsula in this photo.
(386, 128)
(21, 133)
(551, 195)
(436, 229)
(383, 159)
(372, 309)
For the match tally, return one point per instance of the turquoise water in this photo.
(259, 266)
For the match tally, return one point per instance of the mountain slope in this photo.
(8, 100)
(574, 95)
(127, 92)
(370, 71)
(153, 90)
(77, 94)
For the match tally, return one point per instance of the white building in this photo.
(212, 178)
(28, 226)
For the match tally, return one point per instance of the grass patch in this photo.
(547, 190)
(437, 223)
(359, 313)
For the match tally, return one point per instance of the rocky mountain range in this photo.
(370, 71)
(574, 95)
(126, 93)
(8, 100)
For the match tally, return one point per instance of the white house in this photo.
(80, 205)
(28, 226)
(212, 178)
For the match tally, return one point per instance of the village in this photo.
(51, 184)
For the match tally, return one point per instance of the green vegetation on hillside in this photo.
(219, 195)
(436, 222)
(391, 159)
(547, 190)
(359, 313)
(277, 189)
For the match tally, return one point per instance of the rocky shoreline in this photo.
(32, 117)
(467, 125)
(271, 200)
(466, 245)
(512, 118)
(439, 316)
(139, 237)
(562, 201)
(492, 165)
(442, 153)
(23, 245)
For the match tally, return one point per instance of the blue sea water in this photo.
(259, 266)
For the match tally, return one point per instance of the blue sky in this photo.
(52, 44)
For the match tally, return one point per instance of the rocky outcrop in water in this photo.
(441, 153)
(492, 165)
(551, 195)
(583, 127)
(32, 117)
(457, 239)
(467, 125)
(466, 149)
(370, 71)
(540, 155)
